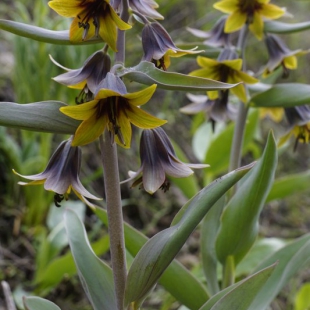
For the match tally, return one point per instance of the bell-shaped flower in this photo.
(61, 175)
(280, 55)
(217, 110)
(112, 108)
(216, 37)
(227, 69)
(158, 46)
(299, 120)
(158, 159)
(91, 18)
(276, 114)
(251, 12)
(88, 77)
(145, 7)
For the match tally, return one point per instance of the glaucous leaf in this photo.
(96, 276)
(239, 221)
(38, 116)
(240, 295)
(38, 303)
(41, 34)
(291, 259)
(176, 279)
(156, 255)
(281, 28)
(289, 185)
(283, 95)
(146, 73)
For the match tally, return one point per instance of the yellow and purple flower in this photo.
(91, 18)
(61, 175)
(112, 108)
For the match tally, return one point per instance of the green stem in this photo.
(228, 272)
(115, 216)
(237, 143)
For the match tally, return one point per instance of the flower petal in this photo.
(235, 21)
(108, 31)
(142, 119)
(125, 132)
(271, 11)
(118, 21)
(226, 6)
(70, 8)
(141, 97)
(82, 111)
(257, 26)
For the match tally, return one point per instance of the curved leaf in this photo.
(37, 303)
(176, 279)
(240, 295)
(291, 258)
(280, 27)
(41, 34)
(146, 73)
(283, 95)
(38, 116)
(239, 222)
(159, 251)
(96, 276)
(289, 185)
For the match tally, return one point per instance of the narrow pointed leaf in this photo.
(159, 251)
(289, 185)
(38, 116)
(147, 73)
(37, 303)
(208, 234)
(240, 295)
(291, 258)
(177, 280)
(95, 275)
(280, 27)
(239, 222)
(41, 34)
(283, 95)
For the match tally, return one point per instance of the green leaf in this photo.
(96, 276)
(156, 255)
(302, 300)
(209, 229)
(239, 222)
(37, 303)
(281, 28)
(177, 280)
(291, 259)
(38, 116)
(41, 34)
(240, 295)
(289, 185)
(218, 151)
(283, 95)
(146, 73)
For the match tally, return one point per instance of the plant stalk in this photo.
(115, 216)
(228, 272)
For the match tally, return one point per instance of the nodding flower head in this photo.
(158, 46)
(91, 19)
(88, 77)
(158, 159)
(112, 108)
(61, 175)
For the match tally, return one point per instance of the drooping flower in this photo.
(88, 77)
(227, 69)
(112, 108)
(217, 110)
(158, 46)
(251, 12)
(61, 174)
(280, 55)
(299, 120)
(158, 159)
(276, 114)
(92, 18)
(216, 37)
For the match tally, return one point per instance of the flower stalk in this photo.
(115, 216)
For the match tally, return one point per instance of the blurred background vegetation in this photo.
(27, 215)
